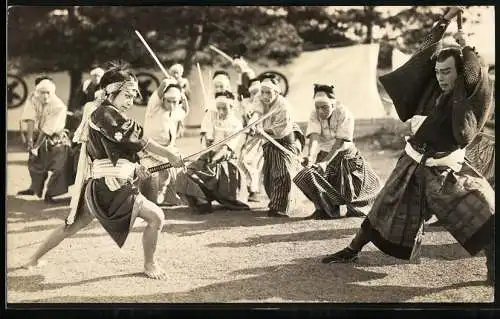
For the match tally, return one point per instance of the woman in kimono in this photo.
(110, 194)
(215, 175)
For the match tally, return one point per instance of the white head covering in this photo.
(268, 83)
(97, 71)
(172, 92)
(47, 85)
(224, 80)
(177, 67)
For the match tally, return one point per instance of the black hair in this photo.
(117, 72)
(253, 80)
(219, 72)
(172, 85)
(43, 77)
(456, 53)
(328, 89)
(269, 76)
(227, 94)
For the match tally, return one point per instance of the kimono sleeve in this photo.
(119, 129)
(314, 125)
(29, 112)
(207, 124)
(345, 124)
(56, 119)
(235, 143)
(281, 122)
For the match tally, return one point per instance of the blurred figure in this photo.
(177, 71)
(221, 83)
(252, 156)
(47, 142)
(245, 73)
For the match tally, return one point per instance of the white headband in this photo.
(97, 71)
(128, 85)
(323, 98)
(269, 84)
(254, 86)
(47, 85)
(240, 62)
(177, 67)
(224, 99)
(172, 92)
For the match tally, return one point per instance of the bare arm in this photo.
(313, 146)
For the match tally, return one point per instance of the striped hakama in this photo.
(277, 170)
(349, 180)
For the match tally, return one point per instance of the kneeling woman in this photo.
(215, 175)
(163, 113)
(113, 142)
(340, 176)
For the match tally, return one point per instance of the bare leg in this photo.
(154, 216)
(57, 236)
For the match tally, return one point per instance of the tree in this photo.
(73, 39)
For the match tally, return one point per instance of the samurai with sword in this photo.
(109, 194)
(281, 128)
(445, 90)
(336, 174)
(45, 115)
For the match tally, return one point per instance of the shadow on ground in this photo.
(288, 282)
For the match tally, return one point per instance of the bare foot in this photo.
(33, 264)
(154, 271)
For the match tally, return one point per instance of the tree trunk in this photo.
(75, 76)
(195, 38)
(369, 17)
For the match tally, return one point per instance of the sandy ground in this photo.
(228, 257)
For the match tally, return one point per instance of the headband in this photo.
(168, 93)
(254, 85)
(323, 98)
(225, 97)
(271, 84)
(97, 71)
(47, 85)
(127, 85)
(177, 67)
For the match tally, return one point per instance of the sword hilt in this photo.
(160, 167)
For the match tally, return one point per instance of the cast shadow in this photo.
(303, 280)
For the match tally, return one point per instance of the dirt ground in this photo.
(228, 257)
